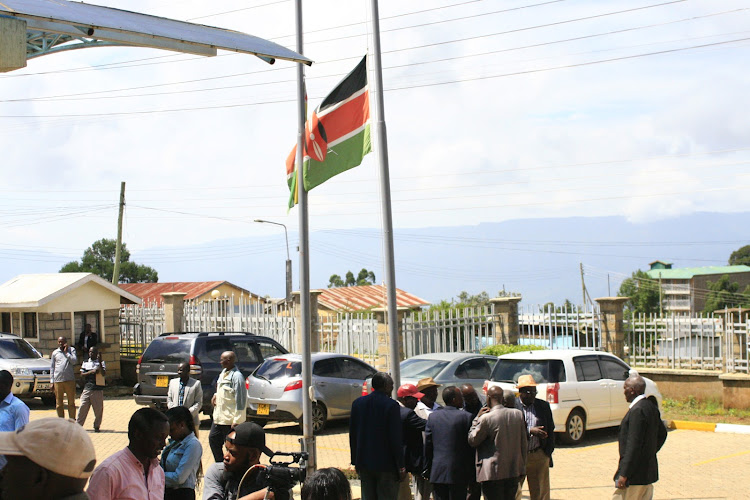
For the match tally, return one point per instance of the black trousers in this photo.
(179, 494)
(216, 439)
(449, 491)
(504, 489)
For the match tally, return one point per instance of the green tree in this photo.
(99, 259)
(724, 293)
(364, 278)
(643, 292)
(740, 257)
(566, 307)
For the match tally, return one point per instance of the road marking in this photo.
(733, 455)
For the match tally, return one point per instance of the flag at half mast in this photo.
(337, 135)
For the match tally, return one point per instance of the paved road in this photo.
(693, 464)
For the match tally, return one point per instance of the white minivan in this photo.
(584, 388)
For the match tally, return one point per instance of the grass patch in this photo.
(704, 411)
(500, 349)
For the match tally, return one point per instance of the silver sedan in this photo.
(274, 389)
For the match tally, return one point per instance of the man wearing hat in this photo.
(412, 429)
(428, 402)
(243, 448)
(36, 472)
(541, 434)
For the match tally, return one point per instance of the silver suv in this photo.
(29, 369)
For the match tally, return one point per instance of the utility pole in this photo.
(583, 286)
(661, 312)
(609, 290)
(118, 248)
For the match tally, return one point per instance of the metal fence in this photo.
(139, 325)
(452, 330)
(737, 342)
(558, 328)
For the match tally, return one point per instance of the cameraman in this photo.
(243, 448)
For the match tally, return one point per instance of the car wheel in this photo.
(575, 427)
(49, 400)
(260, 421)
(319, 418)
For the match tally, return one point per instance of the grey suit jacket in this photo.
(500, 439)
(193, 399)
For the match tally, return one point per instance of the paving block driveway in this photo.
(692, 464)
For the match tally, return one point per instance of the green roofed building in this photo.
(684, 290)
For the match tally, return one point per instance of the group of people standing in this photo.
(467, 449)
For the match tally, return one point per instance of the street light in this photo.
(288, 260)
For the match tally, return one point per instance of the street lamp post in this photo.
(288, 260)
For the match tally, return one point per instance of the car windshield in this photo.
(167, 350)
(275, 368)
(543, 371)
(17, 349)
(421, 368)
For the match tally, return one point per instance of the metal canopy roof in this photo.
(52, 23)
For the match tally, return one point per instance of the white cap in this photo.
(56, 444)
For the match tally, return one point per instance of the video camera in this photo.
(279, 477)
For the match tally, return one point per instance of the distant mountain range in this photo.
(539, 258)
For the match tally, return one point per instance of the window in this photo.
(167, 350)
(17, 349)
(273, 369)
(6, 322)
(267, 350)
(80, 319)
(611, 368)
(245, 351)
(473, 368)
(29, 325)
(587, 369)
(421, 368)
(215, 346)
(543, 371)
(356, 369)
(327, 368)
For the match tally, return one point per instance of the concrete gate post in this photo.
(314, 330)
(506, 319)
(174, 311)
(613, 332)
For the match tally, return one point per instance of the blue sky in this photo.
(498, 130)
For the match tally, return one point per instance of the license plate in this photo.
(263, 409)
(162, 381)
(43, 387)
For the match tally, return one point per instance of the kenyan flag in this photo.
(337, 136)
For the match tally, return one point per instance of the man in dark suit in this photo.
(447, 448)
(541, 435)
(642, 434)
(375, 439)
(412, 428)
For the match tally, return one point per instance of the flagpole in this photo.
(308, 438)
(385, 196)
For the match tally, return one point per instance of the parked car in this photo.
(29, 369)
(162, 357)
(584, 388)
(448, 368)
(274, 389)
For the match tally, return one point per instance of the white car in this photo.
(584, 388)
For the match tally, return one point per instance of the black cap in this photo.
(251, 435)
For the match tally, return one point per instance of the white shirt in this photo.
(637, 398)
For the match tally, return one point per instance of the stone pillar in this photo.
(12, 43)
(382, 363)
(314, 330)
(174, 311)
(110, 343)
(613, 333)
(506, 319)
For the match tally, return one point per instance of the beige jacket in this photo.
(500, 439)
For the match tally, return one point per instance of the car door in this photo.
(331, 387)
(473, 371)
(615, 372)
(593, 390)
(356, 372)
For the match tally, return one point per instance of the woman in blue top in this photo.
(181, 459)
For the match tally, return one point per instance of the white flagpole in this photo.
(385, 196)
(308, 438)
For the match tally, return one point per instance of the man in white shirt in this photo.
(63, 378)
(229, 404)
(92, 371)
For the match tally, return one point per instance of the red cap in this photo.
(409, 390)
